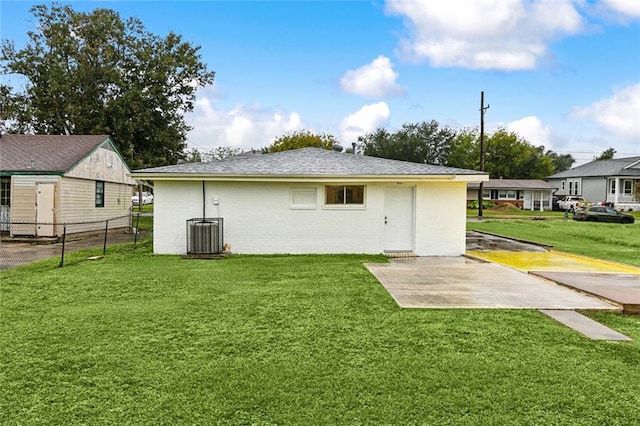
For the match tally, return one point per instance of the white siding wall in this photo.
(258, 218)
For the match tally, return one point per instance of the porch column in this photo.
(541, 200)
(615, 196)
(533, 200)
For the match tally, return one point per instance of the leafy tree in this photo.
(424, 142)
(92, 73)
(509, 156)
(302, 139)
(561, 162)
(607, 154)
(193, 156)
(465, 150)
(220, 153)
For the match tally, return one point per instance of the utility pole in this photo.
(480, 190)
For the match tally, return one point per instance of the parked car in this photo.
(147, 198)
(571, 203)
(602, 214)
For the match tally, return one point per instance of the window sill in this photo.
(344, 207)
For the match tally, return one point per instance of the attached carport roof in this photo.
(307, 163)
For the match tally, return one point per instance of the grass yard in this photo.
(610, 241)
(144, 339)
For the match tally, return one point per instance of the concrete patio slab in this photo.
(460, 282)
(586, 326)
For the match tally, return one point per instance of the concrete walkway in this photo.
(586, 326)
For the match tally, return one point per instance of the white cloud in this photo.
(245, 126)
(484, 34)
(366, 119)
(629, 8)
(617, 115)
(532, 129)
(374, 80)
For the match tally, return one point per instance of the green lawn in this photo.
(141, 339)
(611, 241)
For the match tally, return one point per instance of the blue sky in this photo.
(563, 74)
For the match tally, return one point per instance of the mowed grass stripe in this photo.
(137, 338)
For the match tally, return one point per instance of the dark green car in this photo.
(602, 214)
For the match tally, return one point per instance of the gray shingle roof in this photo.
(615, 167)
(306, 162)
(514, 184)
(45, 153)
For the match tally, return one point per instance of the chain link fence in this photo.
(22, 243)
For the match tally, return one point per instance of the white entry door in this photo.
(45, 196)
(398, 216)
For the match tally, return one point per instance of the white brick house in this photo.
(312, 200)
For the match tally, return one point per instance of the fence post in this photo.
(64, 239)
(135, 235)
(106, 231)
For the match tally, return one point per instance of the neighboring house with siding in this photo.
(313, 200)
(527, 194)
(51, 180)
(610, 181)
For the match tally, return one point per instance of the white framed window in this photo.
(336, 195)
(612, 186)
(562, 186)
(486, 194)
(506, 194)
(627, 187)
(574, 187)
(303, 198)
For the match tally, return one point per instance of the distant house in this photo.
(311, 200)
(610, 181)
(50, 180)
(527, 194)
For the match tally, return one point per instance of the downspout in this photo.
(204, 202)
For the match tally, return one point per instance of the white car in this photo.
(571, 203)
(147, 198)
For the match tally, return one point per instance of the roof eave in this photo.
(310, 178)
(30, 172)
